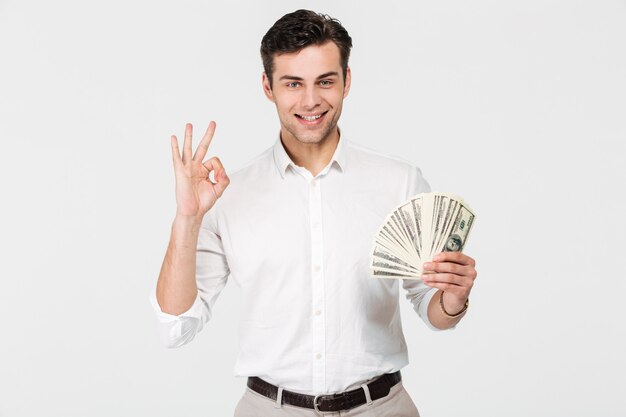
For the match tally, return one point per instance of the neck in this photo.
(312, 156)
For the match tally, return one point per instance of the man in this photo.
(294, 231)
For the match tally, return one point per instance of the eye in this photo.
(326, 83)
(293, 84)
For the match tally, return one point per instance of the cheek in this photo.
(334, 98)
(284, 105)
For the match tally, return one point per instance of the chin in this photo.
(317, 136)
(309, 139)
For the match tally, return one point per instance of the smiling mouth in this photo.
(311, 118)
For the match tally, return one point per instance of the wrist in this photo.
(187, 221)
(451, 306)
(185, 227)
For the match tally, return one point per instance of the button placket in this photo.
(317, 285)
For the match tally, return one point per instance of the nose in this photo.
(310, 97)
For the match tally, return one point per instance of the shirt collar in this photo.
(282, 159)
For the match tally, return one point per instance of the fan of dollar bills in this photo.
(416, 231)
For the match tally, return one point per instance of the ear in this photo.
(346, 87)
(266, 87)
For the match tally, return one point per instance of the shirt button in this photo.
(318, 356)
(316, 268)
(318, 312)
(313, 183)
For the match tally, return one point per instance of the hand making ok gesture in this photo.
(195, 192)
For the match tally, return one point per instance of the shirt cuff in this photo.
(194, 311)
(175, 331)
(423, 310)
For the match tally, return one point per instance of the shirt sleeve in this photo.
(211, 276)
(418, 293)
(416, 183)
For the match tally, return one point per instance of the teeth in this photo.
(311, 118)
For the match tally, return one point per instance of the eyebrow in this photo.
(319, 77)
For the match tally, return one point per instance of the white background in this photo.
(519, 106)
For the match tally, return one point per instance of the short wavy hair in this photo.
(297, 30)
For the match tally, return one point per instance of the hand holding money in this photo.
(414, 232)
(454, 273)
(423, 239)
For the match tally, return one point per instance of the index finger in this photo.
(456, 257)
(203, 147)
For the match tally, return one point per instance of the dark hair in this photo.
(297, 30)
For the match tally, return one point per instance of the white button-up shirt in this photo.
(298, 246)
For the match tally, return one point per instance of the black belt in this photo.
(378, 388)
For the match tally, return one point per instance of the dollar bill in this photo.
(416, 230)
(455, 241)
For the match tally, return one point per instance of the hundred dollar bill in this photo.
(416, 230)
(450, 211)
(391, 274)
(416, 215)
(404, 212)
(455, 241)
(392, 245)
(383, 258)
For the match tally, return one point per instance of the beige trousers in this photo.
(396, 404)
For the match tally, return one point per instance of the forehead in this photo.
(308, 62)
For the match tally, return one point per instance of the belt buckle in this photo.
(330, 397)
(315, 404)
(317, 410)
